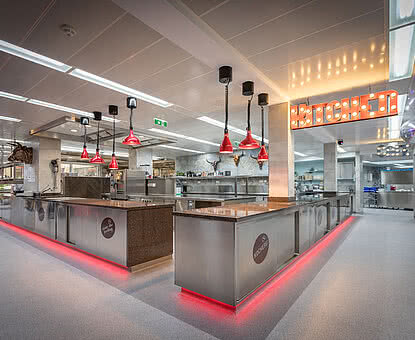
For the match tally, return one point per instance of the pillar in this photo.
(330, 167)
(358, 170)
(41, 174)
(281, 153)
(141, 159)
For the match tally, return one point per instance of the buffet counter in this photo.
(128, 233)
(226, 253)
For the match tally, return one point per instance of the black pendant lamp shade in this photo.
(225, 77)
(97, 159)
(263, 100)
(113, 111)
(84, 121)
(249, 142)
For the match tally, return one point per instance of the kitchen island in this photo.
(226, 253)
(130, 234)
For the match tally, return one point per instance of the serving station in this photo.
(226, 253)
(131, 234)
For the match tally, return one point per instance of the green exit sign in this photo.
(160, 122)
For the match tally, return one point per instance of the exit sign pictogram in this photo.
(160, 122)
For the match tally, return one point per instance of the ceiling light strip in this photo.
(118, 87)
(177, 135)
(10, 119)
(230, 128)
(12, 96)
(181, 149)
(33, 57)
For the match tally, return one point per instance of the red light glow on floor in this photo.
(71, 253)
(261, 294)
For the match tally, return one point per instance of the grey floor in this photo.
(359, 283)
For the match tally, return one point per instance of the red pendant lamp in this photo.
(84, 122)
(225, 77)
(97, 159)
(249, 142)
(263, 100)
(113, 111)
(131, 139)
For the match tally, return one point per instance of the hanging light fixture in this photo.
(249, 142)
(113, 111)
(84, 121)
(97, 159)
(131, 139)
(263, 101)
(225, 77)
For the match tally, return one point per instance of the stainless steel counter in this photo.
(114, 230)
(225, 253)
(395, 199)
(192, 201)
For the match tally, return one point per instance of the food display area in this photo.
(130, 234)
(226, 253)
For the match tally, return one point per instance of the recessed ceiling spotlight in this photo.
(68, 30)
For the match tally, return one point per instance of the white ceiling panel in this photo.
(181, 72)
(355, 30)
(202, 6)
(54, 86)
(19, 75)
(310, 19)
(237, 16)
(100, 56)
(153, 59)
(89, 18)
(19, 17)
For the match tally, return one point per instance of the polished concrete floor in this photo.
(359, 283)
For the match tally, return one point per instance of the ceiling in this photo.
(290, 48)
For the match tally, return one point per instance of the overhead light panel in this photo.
(12, 96)
(10, 119)
(66, 109)
(402, 51)
(177, 135)
(109, 84)
(230, 128)
(181, 149)
(299, 154)
(33, 57)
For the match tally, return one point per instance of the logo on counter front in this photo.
(41, 214)
(108, 227)
(261, 248)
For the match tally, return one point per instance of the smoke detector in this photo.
(68, 30)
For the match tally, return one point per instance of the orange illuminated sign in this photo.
(369, 106)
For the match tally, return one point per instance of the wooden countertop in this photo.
(237, 212)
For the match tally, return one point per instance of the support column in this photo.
(330, 167)
(141, 159)
(358, 170)
(281, 153)
(41, 174)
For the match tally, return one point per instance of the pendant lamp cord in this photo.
(262, 118)
(84, 136)
(98, 138)
(226, 106)
(249, 113)
(131, 119)
(113, 135)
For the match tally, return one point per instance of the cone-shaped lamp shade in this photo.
(97, 159)
(262, 155)
(249, 142)
(131, 139)
(226, 146)
(113, 165)
(84, 154)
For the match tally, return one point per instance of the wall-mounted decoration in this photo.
(369, 106)
(214, 163)
(21, 153)
(237, 158)
(260, 163)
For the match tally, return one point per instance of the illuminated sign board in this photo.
(369, 106)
